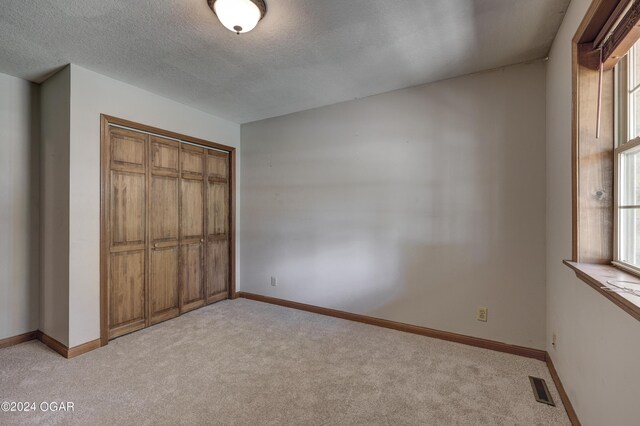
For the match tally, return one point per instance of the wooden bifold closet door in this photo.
(192, 228)
(217, 226)
(164, 229)
(127, 232)
(168, 228)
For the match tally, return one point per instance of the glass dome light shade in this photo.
(239, 16)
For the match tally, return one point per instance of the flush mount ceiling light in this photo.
(239, 16)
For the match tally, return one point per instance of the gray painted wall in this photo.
(597, 342)
(19, 204)
(55, 109)
(418, 206)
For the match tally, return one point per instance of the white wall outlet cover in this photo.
(482, 314)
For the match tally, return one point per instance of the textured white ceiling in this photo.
(303, 54)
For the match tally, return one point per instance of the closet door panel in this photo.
(191, 275)
(126, 292)
(217, 223)
(128, 150)
(164, 288)
(218, 165)
(192, 160)
(127, 208)
(165, 155)
(217, 270)
(218, 211)
(192, 209)
(192, 163)
(163, 210)
(127, 238)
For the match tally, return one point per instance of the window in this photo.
(605, 151)
(627, 162)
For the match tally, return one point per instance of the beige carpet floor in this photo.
(248, 363)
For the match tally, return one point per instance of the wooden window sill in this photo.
(597, 275)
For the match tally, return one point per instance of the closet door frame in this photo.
(105, 122)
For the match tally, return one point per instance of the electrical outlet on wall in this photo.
(274, 281)
(482, 314)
